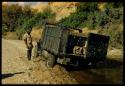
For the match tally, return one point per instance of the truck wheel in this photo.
(50, 61)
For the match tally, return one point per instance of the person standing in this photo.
(28, 42)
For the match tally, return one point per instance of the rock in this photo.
(45, 82)
(35, 80)
(24, 80)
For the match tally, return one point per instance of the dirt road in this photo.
(16, 69)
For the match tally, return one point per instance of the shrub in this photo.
(37, 20)
(107, 21)
(116, 35)
(20, 32)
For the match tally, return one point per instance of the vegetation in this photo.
(84, 16)
(17, 19)
(108, 21)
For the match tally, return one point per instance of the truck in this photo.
(63, 45)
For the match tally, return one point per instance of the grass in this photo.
(11, 35)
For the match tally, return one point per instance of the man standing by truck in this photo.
(28, 42)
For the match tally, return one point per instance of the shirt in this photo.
(27, 37)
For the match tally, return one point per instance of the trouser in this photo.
(29, 54)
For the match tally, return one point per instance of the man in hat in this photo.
(28, 42)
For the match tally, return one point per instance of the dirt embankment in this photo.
(16, 69)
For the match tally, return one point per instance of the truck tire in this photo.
(45, 54)
(50, 61)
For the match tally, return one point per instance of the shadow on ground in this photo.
(109, 71)
(107, 63)
(10, 74)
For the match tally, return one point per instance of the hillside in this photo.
(103, 18)
(39, 7)
(62, 9)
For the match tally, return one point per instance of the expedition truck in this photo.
(63, 45)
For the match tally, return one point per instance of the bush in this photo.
(75, 20)
(107, 21)
(116, 39)
(84, 16)
(38, 20)
(20, 32)
(4, 29)
(116, 35)
(87, 7)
